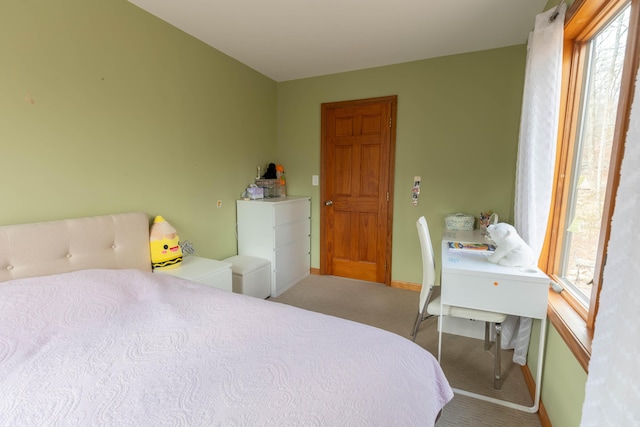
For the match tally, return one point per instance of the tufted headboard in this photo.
(111, 241)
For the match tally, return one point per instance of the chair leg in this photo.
(420, 316)
(487, 342)
(416, 325)
(497, 370)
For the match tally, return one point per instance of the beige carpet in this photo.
(465, 362)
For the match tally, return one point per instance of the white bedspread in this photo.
(124, 347)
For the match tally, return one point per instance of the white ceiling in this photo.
(293, 39)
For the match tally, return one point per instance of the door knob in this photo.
(328, 202)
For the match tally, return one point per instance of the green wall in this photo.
(563, 379)
(457, 128)
(563, 383)
(105, 109)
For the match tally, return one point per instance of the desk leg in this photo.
(543, 333)
(440, 333)
(536, 399)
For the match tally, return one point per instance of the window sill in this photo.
(571, 327)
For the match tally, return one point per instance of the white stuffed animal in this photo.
(511, 250)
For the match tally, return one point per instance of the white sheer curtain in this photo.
(536, 152)
(612, 392)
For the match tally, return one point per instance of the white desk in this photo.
(470, 280)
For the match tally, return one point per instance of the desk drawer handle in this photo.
(495, 283)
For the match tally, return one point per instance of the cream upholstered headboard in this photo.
(111, 241)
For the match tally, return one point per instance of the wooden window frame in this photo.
(584, 18)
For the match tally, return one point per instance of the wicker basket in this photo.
(459, 222)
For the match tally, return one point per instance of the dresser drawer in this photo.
(297, 267)
(291, 232)
(286, 255)
(291, 211)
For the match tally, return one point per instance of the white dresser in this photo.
(203, 270)
(278, 230)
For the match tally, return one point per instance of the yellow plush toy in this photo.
(164, 243)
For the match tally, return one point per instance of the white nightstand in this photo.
(203, 270)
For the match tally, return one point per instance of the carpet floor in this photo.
(464, 361)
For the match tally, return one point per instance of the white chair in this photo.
(430, 302)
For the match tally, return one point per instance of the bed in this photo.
(90, 336)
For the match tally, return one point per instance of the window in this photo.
(600, 65)
(604, 58)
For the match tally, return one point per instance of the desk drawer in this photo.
(526, 298)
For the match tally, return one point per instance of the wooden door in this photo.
(357, 160)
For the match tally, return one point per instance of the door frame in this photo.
(393, 100)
